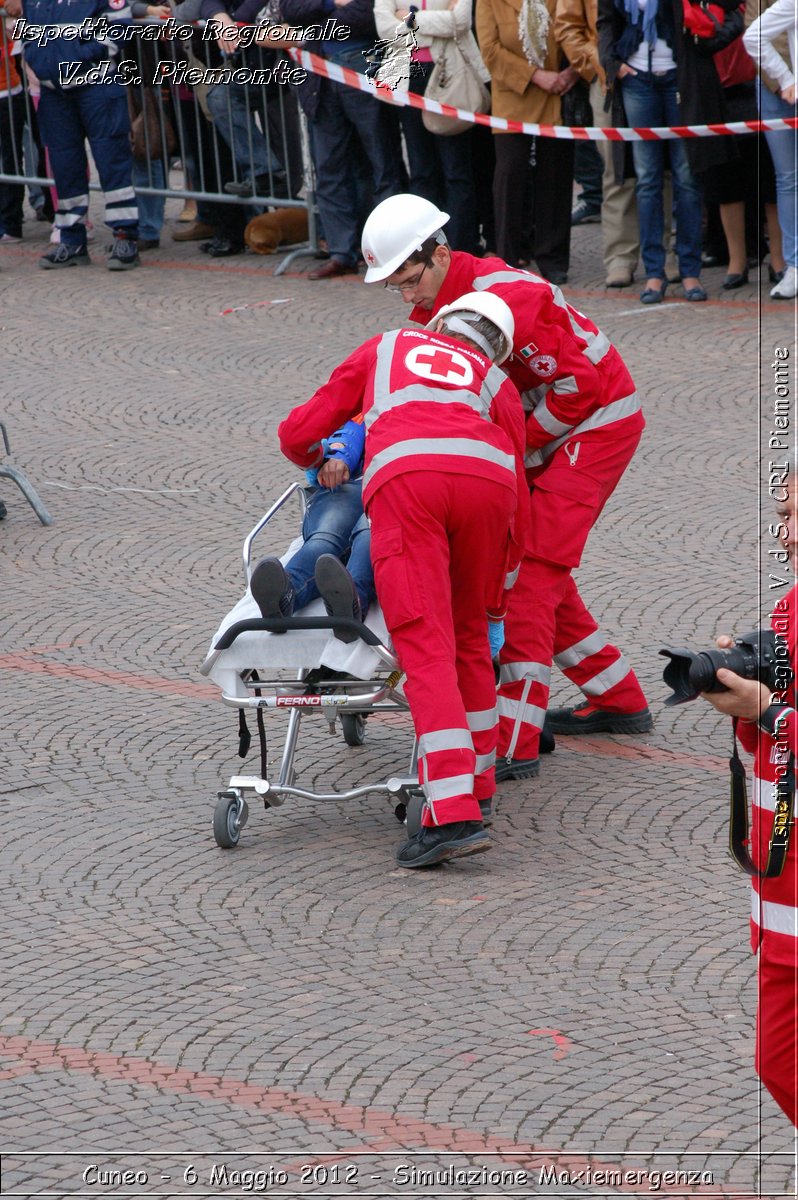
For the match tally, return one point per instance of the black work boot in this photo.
(439, 843)
(271, 588)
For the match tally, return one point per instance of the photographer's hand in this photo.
(746, 698)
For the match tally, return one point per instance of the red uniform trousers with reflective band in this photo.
(777, 1032)
(439, 546)
(546, 618)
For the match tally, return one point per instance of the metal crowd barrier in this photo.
(193, 139)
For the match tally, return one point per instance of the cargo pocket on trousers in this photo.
(397, 589)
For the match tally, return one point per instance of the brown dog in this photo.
(272, 229)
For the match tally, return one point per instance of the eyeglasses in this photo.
(409, 285)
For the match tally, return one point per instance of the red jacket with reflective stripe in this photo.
(571, 378)
(430, 403)
(774, 902)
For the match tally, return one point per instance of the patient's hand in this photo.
(333, 473)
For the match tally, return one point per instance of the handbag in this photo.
(712, 26)
(454, 81)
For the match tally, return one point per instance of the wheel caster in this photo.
(400, 812)
(415, 807)
(229, 819)
(354, 728)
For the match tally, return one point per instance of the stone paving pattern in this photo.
(585, 989)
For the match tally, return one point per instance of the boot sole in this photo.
(60, 266)
(337, 591)
(116, 265)
(608, 724)
(266, 585)
(514, 772)
(478, 843)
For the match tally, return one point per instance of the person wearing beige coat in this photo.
(528, 78)
(441, 168)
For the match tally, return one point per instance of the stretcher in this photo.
(298, 665)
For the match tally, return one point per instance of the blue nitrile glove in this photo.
(312, 476)
(495, 637)
(346, 444)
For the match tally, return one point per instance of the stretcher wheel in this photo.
(415, 807)
(354, 727)
(226, 828)
(400, 812)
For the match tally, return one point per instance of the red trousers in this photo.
(439, 547)
(777, 1033)
(546, 619)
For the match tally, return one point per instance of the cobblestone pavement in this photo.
(581, 999)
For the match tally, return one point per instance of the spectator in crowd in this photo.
(576, 30)
(12, 128)
(640, 54)
(338, 116)
(150, 155)
(441, 167)
(85, 103)
(770, 40)
(529, 76)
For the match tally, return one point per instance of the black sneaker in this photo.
(517, 768)
(123, 254)
(271, 589)
(585, 214)
(442, 842)
(586, 718)
(337, 589)
(262, 185)
(221, 247)
(65, 254)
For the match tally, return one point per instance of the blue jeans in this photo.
(151, 208)
(334, 524)
(233, 107)
(782, 146)
(344, 117)
(651, 100)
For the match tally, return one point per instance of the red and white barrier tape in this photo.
(591, 133)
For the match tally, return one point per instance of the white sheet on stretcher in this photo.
(293, 650)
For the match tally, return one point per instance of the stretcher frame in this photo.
(348, 699)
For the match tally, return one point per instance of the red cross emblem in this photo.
(440, 365)
(370, 259)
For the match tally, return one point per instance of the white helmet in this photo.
(395, 230)
(484, 304)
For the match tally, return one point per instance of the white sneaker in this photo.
(787, 287)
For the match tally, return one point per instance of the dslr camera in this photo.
(760, 655)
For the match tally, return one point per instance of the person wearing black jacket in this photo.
(343, 121)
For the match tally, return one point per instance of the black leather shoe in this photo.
(735, 281)
(517, 768)
(271, 588)
(442, 842)
(222, 247)
(775, 276)
(337, 590)
(263, 185)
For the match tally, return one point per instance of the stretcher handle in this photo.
(295, 487)
(284, 624)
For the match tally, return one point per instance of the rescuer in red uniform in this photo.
(583, 425)
(443, 469)
(770, 731)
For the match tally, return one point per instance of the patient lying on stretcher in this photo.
(335, 530)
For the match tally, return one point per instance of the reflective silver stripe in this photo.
(573, 655)
(546, 418)
(494, 380)
(447, 789)
(598, 344)
(64, 220)
(485, 762)
(121, 214)
(382, 371)
(511, 578)
(533, 396)
(483, 282)
(73, 201)
(605, 680)
(422, 393)
(483, 720)
(616, 411)
(777, 918)
(567, 386)
(515, 672)
(515, 710)
(444, 739)
(453, 447)
(125, 193)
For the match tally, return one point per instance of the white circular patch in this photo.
(543, 364)
(440, 365)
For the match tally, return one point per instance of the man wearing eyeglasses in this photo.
(583, 425)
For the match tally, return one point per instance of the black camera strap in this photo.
(784, 794)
